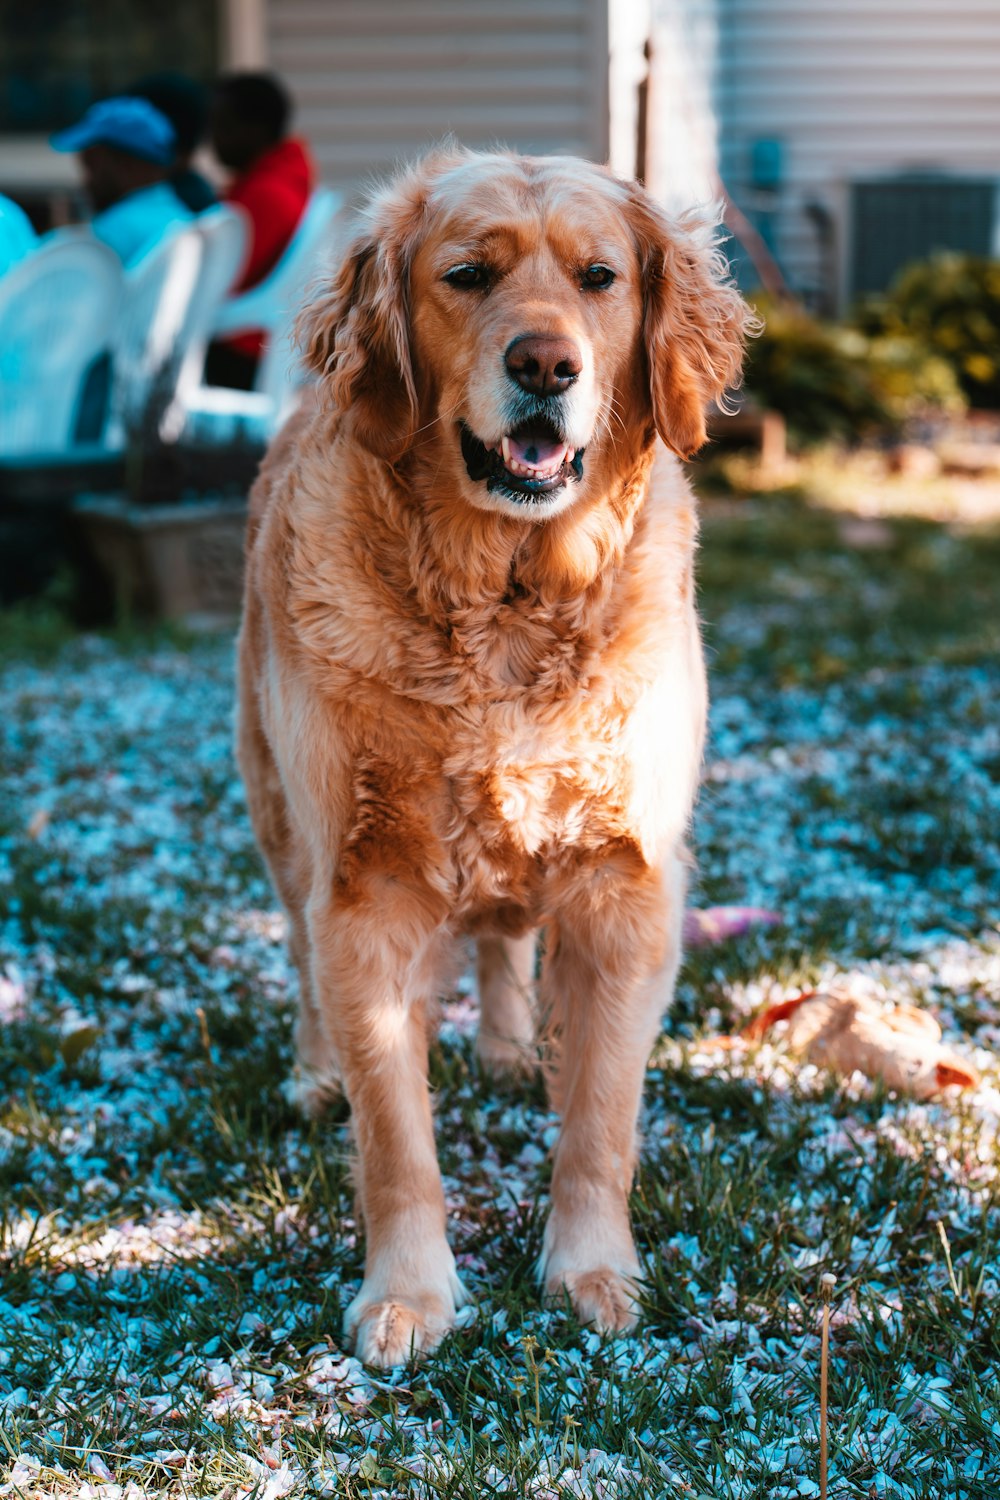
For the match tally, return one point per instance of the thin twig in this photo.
(206, 1040)
(947, 1255)
(826, 1286)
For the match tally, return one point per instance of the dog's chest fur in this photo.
(517, 766)
(484, 742)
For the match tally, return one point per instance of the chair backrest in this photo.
(314, 245)
(274, 303)
(57, 309)
(147, 346)
(223, 233)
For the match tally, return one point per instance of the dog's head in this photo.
(526, 323)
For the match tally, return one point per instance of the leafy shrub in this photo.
(813, 374)
(830, 381)
(951, 305)
(912, 380)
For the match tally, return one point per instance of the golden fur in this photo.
(464, 714)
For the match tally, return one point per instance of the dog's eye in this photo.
(596, 278)
(468, 277)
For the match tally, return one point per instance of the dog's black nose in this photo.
(542, 364)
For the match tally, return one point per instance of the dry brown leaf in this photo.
(38, 822)
(900, 1044)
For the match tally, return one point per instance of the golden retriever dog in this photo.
(471, 687)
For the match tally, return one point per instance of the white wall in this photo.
(378, 80)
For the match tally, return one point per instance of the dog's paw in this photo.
(593, 1260)
(390, 1326)
(605, 1298)
(392, 1332)
(502, 1057)
(309, 1092)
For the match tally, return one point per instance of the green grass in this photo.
(177, 1246)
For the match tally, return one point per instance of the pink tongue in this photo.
(536, 455)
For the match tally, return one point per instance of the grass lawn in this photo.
(176, 1246)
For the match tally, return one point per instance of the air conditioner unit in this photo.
(901, 219)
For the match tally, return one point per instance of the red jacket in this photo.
(274, 192)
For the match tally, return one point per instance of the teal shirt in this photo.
(140, 221)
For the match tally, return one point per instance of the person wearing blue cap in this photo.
(126, 148)
(185, 104)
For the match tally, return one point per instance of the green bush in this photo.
(910, 379)
(835, 382)
(951, 305)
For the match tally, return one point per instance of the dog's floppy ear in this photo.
(694, 320)
(356, 334)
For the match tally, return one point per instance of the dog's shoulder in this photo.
(282, 453)
(660, 559)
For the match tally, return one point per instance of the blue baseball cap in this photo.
(132, 125)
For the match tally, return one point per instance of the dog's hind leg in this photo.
(611, 960)
(505, 969)
(316, 1077)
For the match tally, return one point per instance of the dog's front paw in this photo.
(390, 1327)
(595, 1263)
(392, 1332)
(606, 1299)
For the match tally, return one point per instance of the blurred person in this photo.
(185, 104)
(17, 234)
(272, 180)
(126, 148)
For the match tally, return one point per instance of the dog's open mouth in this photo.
(531, 460)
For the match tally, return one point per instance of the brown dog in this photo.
(471, 686)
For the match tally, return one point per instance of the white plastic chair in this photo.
(57, 309)
(147, 345)
(224, 233)
(272, 306)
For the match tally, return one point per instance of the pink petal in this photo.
(714, 924)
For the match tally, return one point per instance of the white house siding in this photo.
(854, 89)
(377, 80)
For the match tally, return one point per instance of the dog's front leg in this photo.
(613, 952)
(373, 968)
